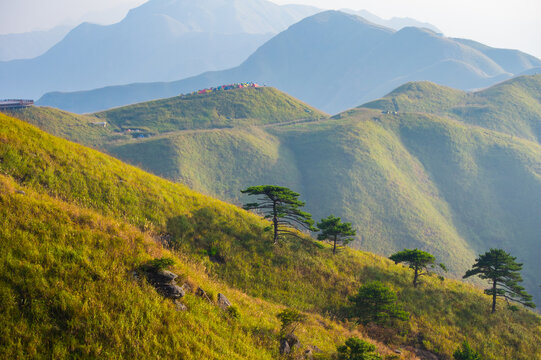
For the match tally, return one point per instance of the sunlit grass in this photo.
(88, 220)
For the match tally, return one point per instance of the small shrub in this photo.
(465, 352)
(233, 313)
(357, 349)
(290, 319)
(162, 263)
(157, 264)
(376, 303)
(512, 308)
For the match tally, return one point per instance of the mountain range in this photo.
(396, 23)
(427, 166)
(333, 61)
(123, 232)
(157, 41)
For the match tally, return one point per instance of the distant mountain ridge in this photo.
(31, 44)
(160, 40)
(396, 23)
(333, 61)
(512, 107)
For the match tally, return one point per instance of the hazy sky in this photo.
(18, 16)
(502, 23)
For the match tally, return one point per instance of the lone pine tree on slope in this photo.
(501, 269)
(333, 229)
(417, 260)
(282, 206)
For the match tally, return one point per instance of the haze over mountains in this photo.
(31, 44)
(161, 40)
(333, 61)
(396, 23)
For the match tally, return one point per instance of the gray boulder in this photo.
(292, 340)
(171, 291)
(223, 302)
(284, 347)
(202, 293)
(180, 306)
(162, 277)
(187, 288)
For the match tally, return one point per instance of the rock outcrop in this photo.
(164, 281)
(202, 293)
(223, 302)
(288, 343)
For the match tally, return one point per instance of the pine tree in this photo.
(501, 269)
(333, 229)
(357, 349)
(376, 303)
(417, 260)
(282, 206)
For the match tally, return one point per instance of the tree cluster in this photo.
(283, 208)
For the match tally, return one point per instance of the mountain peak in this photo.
(333, 16)
(225, 16)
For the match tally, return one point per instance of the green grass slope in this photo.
(488, 183)
(75, 127)
(247, 106)
(234, 159)
(67, 291)
(512, 107)
(423, 184)
(93, 219)
(410, 180)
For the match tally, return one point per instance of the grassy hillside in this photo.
(512, 107)
(79, 128)
(228, 153)
(94, 219)
(248, 106)
(424, 178)
(404, 181)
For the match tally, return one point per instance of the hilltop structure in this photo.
(15, 103)
(226, 87)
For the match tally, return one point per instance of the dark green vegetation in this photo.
(282, 207)
(417, 260)
(501, 269)
(333, 229)
(423, 178)
(290, 319)
(466, 353)
(357, 349)
(376, 303)
(86, 221)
